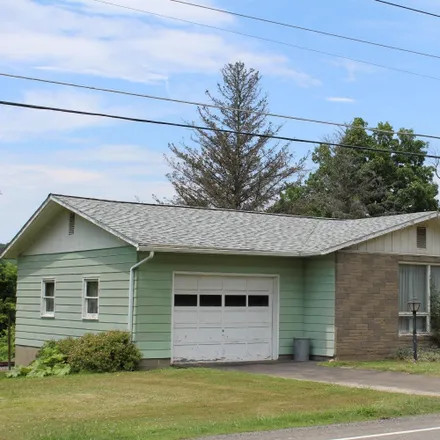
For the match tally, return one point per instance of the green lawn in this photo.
(177, 404)
(429, 368)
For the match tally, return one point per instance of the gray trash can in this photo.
(301, 349)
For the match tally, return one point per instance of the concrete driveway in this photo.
(378, 380)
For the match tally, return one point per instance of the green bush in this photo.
(102, 352)
(49, 362)
(424, 355)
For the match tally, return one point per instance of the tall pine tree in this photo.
(233, 170)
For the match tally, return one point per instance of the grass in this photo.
(428, 368)
(177, 404)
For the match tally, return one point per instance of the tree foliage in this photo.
(354, 183)
(8, 286)
(233, 170)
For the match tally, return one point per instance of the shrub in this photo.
(103, 352)
(49, 362)
(424, 355)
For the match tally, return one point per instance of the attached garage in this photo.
(224, 318)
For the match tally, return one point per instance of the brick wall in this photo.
(366, 319)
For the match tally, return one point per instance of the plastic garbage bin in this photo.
(301, 349)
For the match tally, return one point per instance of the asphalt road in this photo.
(413, 428)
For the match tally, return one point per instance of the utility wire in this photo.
(316, 31)
(269, 40)
(420, 11)
(217, 130)
(202, 104)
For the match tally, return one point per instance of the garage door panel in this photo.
(210, 316)
(210, 283)
(233, 320)
(185, 315)
(186, 282)
(234, 284)
(259, 316)
(194, 336)
(260, 284)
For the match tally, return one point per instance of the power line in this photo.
(420, 11)
(316, 31)
(217, 130)
(270, 40)
(203, 104)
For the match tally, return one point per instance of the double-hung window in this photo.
(91, 298)
(414, 282)
(48, 298)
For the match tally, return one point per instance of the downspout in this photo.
(131, 291)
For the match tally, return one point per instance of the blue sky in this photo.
(91, 43)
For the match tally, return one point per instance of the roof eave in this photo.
(219, 251)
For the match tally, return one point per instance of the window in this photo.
(235, 301)
(210, 300)
(91, 299)
(48, 299)
(71, 223)
(258, 301)
(413, 283)
(185, 300)
(421, 238)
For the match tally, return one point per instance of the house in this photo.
(213, 285)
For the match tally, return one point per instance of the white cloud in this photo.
(18, 123)
(340, 99)
(129, 47)
(114, 171)
(353, 69)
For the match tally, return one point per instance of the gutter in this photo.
(131, 291)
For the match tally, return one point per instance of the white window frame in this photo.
(85, 315)
(43, 312)
(426, 314)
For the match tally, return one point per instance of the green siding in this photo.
(319, 304)
(110, 265)
(154, 287)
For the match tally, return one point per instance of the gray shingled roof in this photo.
(164, 227)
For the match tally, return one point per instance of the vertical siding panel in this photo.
(110, 265)
(319, 304)
(154, 286)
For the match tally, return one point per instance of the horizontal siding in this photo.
(154, 291)
(110, 265)
(319, 304)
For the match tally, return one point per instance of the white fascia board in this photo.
(213, 251)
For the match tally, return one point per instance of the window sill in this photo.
(407, 335)
(86, 318)
(47, 316)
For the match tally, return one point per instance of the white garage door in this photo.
(223, 318)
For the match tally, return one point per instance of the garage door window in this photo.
(185, 301)
(235, 301)
(258, 301)
(210, 300)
